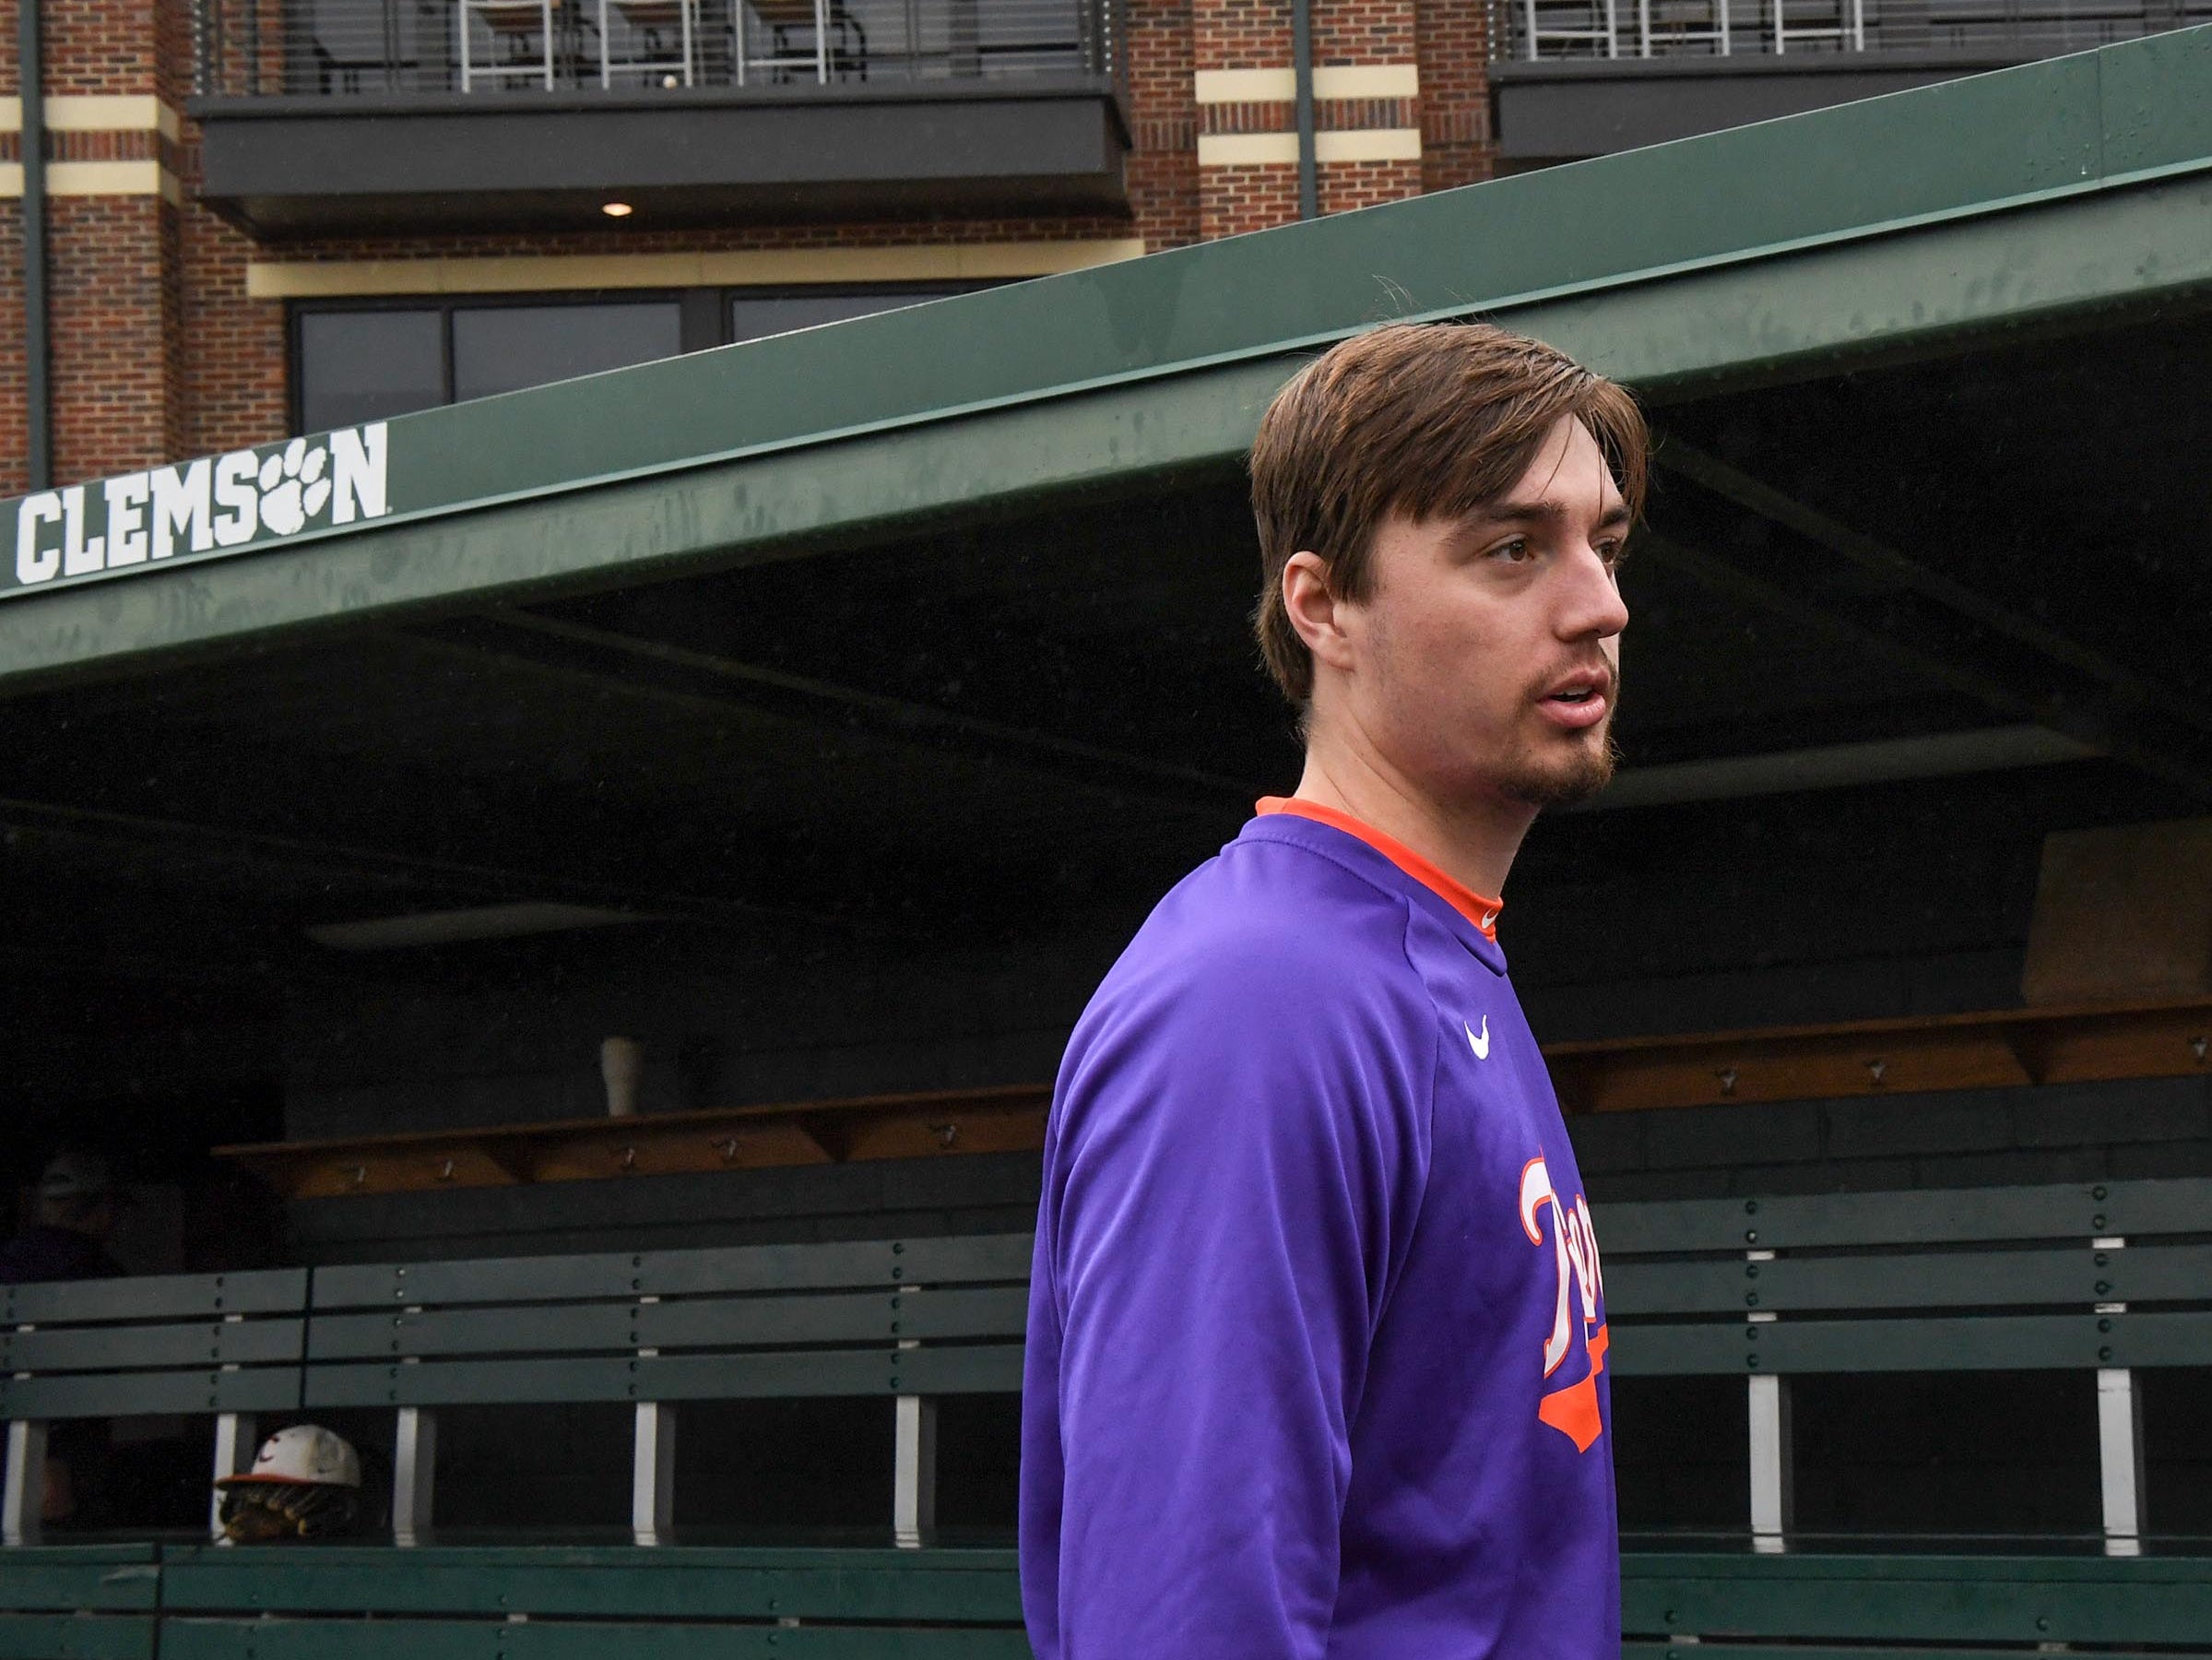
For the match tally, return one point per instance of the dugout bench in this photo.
(2097, 1280)
(226, 1345)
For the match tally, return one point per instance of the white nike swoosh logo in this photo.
(1480, 1046)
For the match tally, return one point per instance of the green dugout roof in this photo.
(1910, 223)
(932, 625)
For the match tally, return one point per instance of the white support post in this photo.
(913, 1472)
(914, 1488)
(2120, 1459)
(414, 1474)
(652, 1472)
(235, 1450)
(23, 1502)
(1771, 1464)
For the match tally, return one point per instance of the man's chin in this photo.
(1561, 781)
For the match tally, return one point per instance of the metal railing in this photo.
(384, 47)
(1630, 29)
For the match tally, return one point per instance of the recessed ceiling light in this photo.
(617, 209)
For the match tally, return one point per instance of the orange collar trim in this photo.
(1477, 909)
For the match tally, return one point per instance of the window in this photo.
(362, 361)
(503, 348)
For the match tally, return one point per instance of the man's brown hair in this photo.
(1422, 420)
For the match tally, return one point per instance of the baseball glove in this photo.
(260, 1511)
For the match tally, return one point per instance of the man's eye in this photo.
(1613, 553)
(1514, 552)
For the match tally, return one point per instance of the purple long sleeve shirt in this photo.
(1317, 1329)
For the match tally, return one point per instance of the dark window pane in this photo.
(502, 348)
(364, 365)
(752, 316)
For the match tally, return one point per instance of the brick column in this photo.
(1452, 46)
(1366, 108)
(1163, 165)
(113, 91)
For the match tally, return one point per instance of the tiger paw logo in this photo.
(294, 489)
(1573, 1408)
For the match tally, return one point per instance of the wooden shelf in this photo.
(2001, 1048)
(665, 1144)
(2086, 1043)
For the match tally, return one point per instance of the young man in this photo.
(1317, 1333)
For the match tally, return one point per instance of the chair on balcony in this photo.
(1840, 22)
(649, 23)
(818, 35)
(1665, 28)
(1572, 25)
(512, 26)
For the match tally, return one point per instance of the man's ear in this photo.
(1315, 611)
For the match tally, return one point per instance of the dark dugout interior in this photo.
(876, 818)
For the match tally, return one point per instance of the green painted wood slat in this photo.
(1954, 1216)
(967, 1259)
(681, 1582)
(821, 1372)
(1961, 1343)
(1656, 1649)
(1909, 1599)
(560, 1640)
(659, 1273)
(2075, 1278)
(150, 1347)
(144, 1395)
(107, 1578)
(76, 1637)
(159, 1296)
(487, 1330)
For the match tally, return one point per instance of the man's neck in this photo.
(1472, 840)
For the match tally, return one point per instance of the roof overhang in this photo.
(2035, 198)
(364, 163)
(1555, 109)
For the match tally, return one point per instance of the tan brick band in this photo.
(1329, 80)
(98, 113)
(939, 262)
(75, 114)
(1280, 149)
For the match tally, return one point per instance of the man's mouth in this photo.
(1580, 702)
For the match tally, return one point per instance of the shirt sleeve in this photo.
(1240, 1150)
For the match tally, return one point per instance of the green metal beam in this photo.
(2046, 197)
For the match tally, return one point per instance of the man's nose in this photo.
(1592, 607)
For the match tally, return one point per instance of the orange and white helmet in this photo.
(305, 1454)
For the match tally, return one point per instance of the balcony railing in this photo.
(387, 47)
(2001, 28)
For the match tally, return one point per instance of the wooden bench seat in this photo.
(904, 1320)
(2099, 1279)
